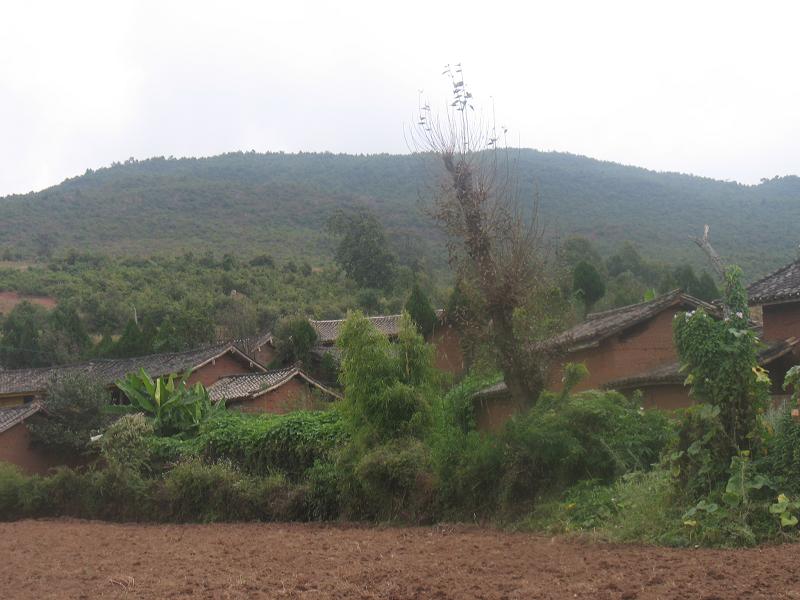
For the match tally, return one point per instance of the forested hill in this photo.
(275, 203)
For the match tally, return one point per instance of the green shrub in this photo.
(66, 492)
(469, 467)
(391, 481)
(121, 494)
(591, 435)
(323, 495)
(194, 491)
(74, 413)
(124, 445)
(261, 445)
(783, 455)
(12, 481)
(701, 440)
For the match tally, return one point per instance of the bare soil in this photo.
(80, 559)
(8, 300)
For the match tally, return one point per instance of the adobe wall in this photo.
(15, 448)
(781, 321)
(640, 348)
(665, 397)
(449, 357)
(223, 366)
(264, 356)
(293, 395)
(491, 414)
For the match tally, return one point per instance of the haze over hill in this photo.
(277, 203)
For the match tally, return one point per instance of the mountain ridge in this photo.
(278, 203)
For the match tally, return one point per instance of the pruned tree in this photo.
(493, 244)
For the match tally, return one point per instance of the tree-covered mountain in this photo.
(278, 204)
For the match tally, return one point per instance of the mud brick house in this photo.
(445, 338)
(778, 295)
(276, 391)
(21, 390)
(15, 442)
(663, 387)
(207, 365)
(615, 345)
(626, 341)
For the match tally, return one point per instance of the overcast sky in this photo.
(704, 87)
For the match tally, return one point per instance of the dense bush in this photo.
(289, 444)
(564, 439)
(74, 412)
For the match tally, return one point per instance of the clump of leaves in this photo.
(174, 406)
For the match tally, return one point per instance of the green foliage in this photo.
(174, 406)
(720, 358)
(588, 284)
(32, 337)
(194, 491)
(385, 383)
(124, 444)
(289, 444)
(783, 454)
(74, 411)
(21, 345)
(389, 481)
(561, 441)
(294, 338)
(187, 302)
(362, 250)
(164, 206)
(695, 459)
(786, 510)
(419, 308)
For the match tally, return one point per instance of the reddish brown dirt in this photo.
(8, 300)
(78, 559)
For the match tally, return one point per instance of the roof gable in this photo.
(779, 286)
(243, 387)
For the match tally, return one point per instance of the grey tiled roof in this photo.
(328, 331)
(240, 387)
(601, 325)
(253, 343)
(783, 284)
(111, 370)
(16, 414)
(671, 374)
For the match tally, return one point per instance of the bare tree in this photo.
(493, 244)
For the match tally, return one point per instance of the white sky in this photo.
(704, 87)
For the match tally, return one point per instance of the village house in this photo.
(619, 344)
(276, 391)
(778, 295)
(631, 349)
(22, 390)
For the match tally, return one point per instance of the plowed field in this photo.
(78, 559)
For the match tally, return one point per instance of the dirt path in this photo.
(77, 559)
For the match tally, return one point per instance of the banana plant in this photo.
(174, 405)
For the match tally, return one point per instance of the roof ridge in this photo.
(620, 309)
(773, 273)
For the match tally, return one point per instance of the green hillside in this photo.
(249, 203)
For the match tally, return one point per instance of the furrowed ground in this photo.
(79, 559)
